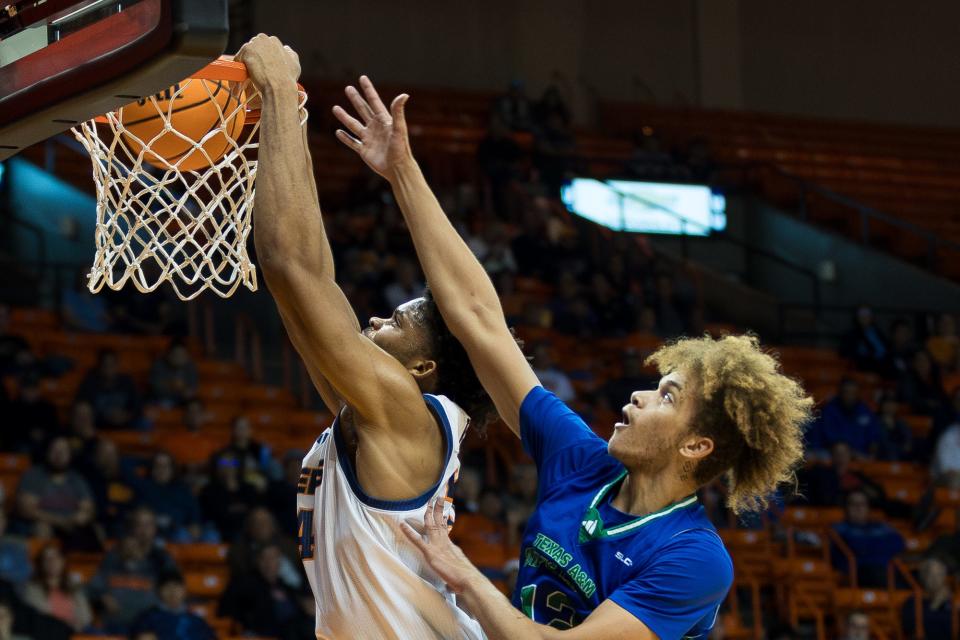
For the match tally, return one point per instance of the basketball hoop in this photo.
(181, 217)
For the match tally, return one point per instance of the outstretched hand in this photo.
(444, 557)
(380, 136)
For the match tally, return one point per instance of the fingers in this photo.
(372, 96)
(416, 526)
(414, 538)
(349, 140)
(434, 521)
(363, 109)
(397, 111)
(351, 123)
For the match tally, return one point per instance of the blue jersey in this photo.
(668, 568)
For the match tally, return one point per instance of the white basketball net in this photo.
(162, 223)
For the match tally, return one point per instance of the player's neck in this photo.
(641, 493)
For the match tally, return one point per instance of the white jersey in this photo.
(369, 582)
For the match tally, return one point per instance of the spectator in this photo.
(670, 319)
(511, 569)
(520, 502)
(176, 508)
(173, 378)
(944, 346)
(6, 623)
(15, 565)
(55, 499)
(406, 286)
(921, 388)
(228, 498)
(616, 392)
(865, 344)
(254, 457)
(948, 416)
(467, 490)
(124, 585)
(896, 439)
(497, 255)
(194, 415)
(82, 435)
(281, 496)
(10, 343)
(945, 465)
(937, 605)
(554, 151)
(264, 605)
(114, 488)
(649, 160)
(551, 105)
(614, 317)
(483, 535)
(170, 618)
(34, 419)
(902, 348)
(857, 626)
(499, 156)
(947, 546)
(51, 593)
(571, 312)
(513, 108)
(846, 418)
(874, 544)
(142, 527)
(260, 530)
(550, 376)
(113, 395)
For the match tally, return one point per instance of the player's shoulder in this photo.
(700, 548)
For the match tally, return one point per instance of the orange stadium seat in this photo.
(209, 583)
(28, 319)
(220, 371)
(881, 605)
(199, 554)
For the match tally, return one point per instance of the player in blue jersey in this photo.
(618, 546)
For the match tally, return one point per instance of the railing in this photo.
(867, 217)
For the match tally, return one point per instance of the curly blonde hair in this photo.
(754, 414)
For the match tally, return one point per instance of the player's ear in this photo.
(422, 369)
(696, 447)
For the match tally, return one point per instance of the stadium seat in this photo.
(209, 583)
(198, 554)
(881, 605)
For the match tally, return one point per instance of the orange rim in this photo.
(223, 68)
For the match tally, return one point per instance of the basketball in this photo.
(194, 108)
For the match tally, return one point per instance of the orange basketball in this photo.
(192, 107)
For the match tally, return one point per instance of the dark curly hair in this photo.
(455, 375)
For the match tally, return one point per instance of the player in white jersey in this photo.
(402, 390)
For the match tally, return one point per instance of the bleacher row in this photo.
(907, 172)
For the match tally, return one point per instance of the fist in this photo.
(269, 61)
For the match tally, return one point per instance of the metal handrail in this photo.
(866, 211)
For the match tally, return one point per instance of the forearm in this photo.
(288, 229)
(500, 621)
(462, 288)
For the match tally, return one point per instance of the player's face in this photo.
(402, 335)
(654, 424)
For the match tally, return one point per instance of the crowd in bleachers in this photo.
(150, 487)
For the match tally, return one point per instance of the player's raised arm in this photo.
(294, 255)
(463, 291)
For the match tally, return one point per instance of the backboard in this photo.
(63, 62)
